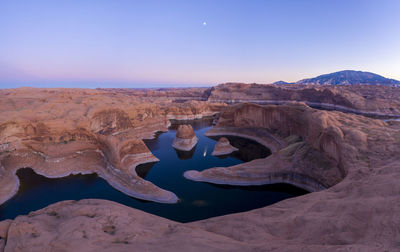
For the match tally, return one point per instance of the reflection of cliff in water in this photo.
(197, 200)
(143, 169)
(248, 149)
(184, 155)
(280, 187)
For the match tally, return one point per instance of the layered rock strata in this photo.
(223, 147)
(358, 212)
(73, 152)
(371, 100)
(312, 151)
(185, 138)
(58, 132)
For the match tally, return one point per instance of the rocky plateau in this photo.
(349, 162)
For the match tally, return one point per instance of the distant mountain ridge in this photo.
(282, 83)
(349, 77)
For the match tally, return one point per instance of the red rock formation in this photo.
(365, 99)
(312, 152)
(357, 212)
(223, 147)
(58, 132)
(354, 157)
(185, 131)
(185, 138)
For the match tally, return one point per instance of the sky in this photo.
(168, 43)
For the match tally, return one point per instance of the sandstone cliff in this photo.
(58, 132)
(350, 161)
(355, 158)
(363, 99)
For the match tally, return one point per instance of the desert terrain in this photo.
(329, 140)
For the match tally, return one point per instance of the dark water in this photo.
(197, 200)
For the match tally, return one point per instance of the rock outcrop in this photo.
(58, 132)
(185, 138)
(357, 212)
(223, 147)
(368, 100)
(311, 148)
(101, 225)
(355, 158)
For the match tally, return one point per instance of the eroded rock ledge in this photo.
(58, 132)
(80, 151)
(312, 152)
(360, 213)
(370, 100)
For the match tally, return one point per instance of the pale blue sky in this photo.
(164, 43)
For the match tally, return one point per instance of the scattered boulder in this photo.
(223, 147)
(185, 138)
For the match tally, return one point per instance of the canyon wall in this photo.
(357, 213)
(58, 132)
(363, 99)
(350, 162)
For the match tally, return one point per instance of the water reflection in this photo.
(196, 200)
(143, 169)
(248, 149)
(184, 155)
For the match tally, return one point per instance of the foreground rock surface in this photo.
(100, 225)
(185, 139)
(223, 147)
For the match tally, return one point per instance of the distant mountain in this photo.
(282, 83)
(350, 77)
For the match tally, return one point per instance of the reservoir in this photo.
(196, 200)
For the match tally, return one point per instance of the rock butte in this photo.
(223, 147)
(354, 157)
(185, 138)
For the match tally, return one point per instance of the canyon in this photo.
(347, 160)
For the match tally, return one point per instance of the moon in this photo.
(204, 23)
